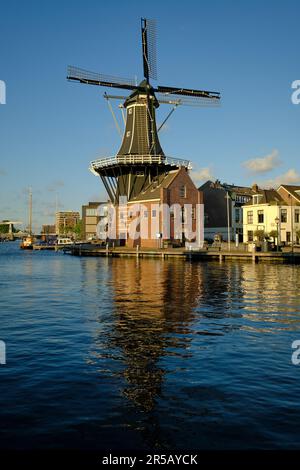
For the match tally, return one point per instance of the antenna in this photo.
(30, 210)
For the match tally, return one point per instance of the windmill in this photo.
(140, 159)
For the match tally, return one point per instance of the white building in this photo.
(269, 213)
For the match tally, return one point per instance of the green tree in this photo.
(273, 234)
(260, 234)
(3, 228)
(79, 230)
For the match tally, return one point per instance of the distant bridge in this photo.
(10, 224)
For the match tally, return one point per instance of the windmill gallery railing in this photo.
(138, 160)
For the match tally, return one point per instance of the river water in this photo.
(147, 354)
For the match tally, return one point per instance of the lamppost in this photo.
(228, 220)
(292, 221)
(277, 225)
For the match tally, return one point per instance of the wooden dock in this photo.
(203, 255)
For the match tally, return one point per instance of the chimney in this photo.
(255, 188)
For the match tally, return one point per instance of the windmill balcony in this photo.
(107, 162)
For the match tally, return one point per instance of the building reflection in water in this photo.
(271, 295)
(149, 309)
(153, 308)
(144, 312)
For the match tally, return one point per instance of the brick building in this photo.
(162, 210)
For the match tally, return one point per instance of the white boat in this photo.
(63, 241)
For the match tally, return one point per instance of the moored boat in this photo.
(27, 243)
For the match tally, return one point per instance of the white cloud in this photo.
(263, 164)
(202, 174)
(290, 177)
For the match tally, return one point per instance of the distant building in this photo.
(217, 209)
(48, 230)
(272, 212)
(65, 222)
(94, 220)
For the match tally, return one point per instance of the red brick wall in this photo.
(170, 196)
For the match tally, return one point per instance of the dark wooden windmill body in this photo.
(140, 159)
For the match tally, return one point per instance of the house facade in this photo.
(223, 209)
(167, 211)
(274, 214)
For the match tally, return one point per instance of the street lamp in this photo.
(292, 221)
(277, 225)
(228, 220)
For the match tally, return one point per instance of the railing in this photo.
(138, 160)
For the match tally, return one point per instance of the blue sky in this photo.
(50, 128)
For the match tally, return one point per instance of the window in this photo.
(288, 237)
(153, 213)
(182, 191)
(250, 235)
(260, 217)
(283, 216)
(257, 198)
(249, 217)
(145, 214)
(237, 216)
(90, 212)
(242, 199)
(297, 218)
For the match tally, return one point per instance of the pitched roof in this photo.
(267, 196)
(153, 191)
(232, 188)
(294, 190)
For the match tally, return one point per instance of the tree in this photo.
(260, 235)
(79, 230)
(273, 234)
(4, 228)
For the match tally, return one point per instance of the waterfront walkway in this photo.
(204, 254)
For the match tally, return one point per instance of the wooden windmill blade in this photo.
(196, 101)
(92, 78)
(149, 48)
(188, 92)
